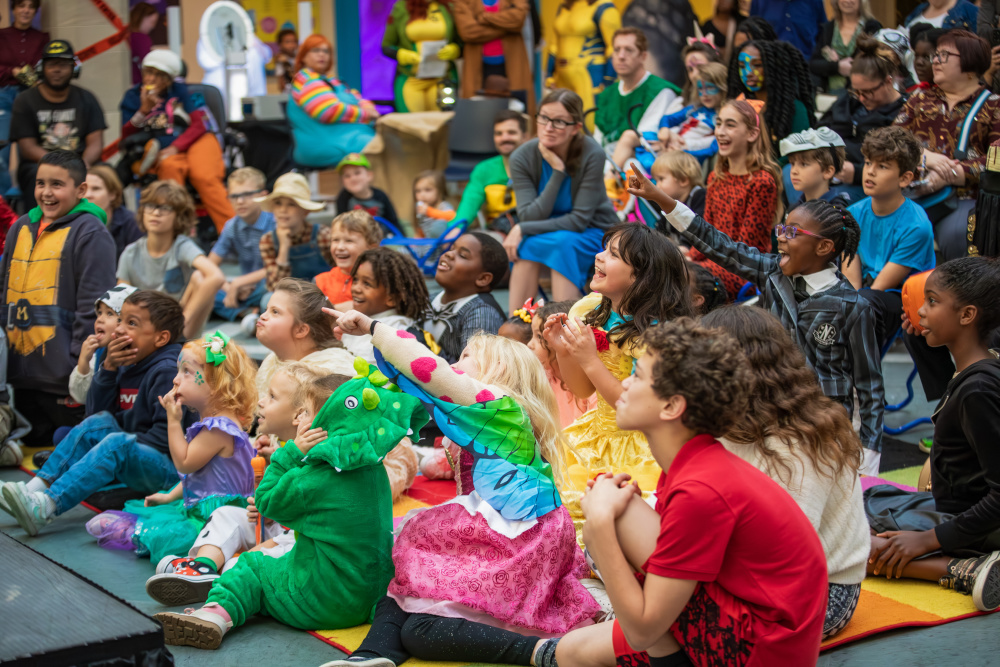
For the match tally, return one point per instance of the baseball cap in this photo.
(354, 159)
(115, 297)
(58, 48)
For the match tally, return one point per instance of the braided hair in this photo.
(786, 79)
(836, 223)
(401, 277)
(757, 29)
(708, 287)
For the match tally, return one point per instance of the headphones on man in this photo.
(76, 66)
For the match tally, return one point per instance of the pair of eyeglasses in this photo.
(238, 196)
(790, 231)
(557, 123)
(157, 209)
(942, 56)
(861, 93)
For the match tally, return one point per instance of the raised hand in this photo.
(120, 353)
(172, 404)
(350, 323)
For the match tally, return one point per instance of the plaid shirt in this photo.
(835, 328)
(269, 252)
(481, 314)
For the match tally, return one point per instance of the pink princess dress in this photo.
(504, 552)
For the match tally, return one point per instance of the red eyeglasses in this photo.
(789, 232)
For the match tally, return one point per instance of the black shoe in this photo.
(40, 457)
(978, 577)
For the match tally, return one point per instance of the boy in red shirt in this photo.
(727, 570)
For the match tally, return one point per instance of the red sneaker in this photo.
(183, 581)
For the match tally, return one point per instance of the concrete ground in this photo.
(970, 642)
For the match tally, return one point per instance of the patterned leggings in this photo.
(840, 606)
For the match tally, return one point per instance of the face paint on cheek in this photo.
(198, 379)
(747, 70)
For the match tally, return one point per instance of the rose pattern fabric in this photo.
(443, 553)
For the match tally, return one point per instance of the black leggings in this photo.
(397, 635)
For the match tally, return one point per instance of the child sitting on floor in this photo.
(125, 438)
(520, 566)
(467, 273)
(803, 287)
(707, 292)
(351, 233)
(735, 574)
(167, 259)
(956, 525)
(434, 212)
(332, 489)
(294, 328)
(296, 248)
(388, 286)
(640, 279)
(285, 412)
(215, 378)
(804, 442)
(95, 346)
(518, 326)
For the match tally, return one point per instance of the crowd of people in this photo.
(649, 469)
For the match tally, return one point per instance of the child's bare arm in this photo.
(202, 448)
(891, 276)
(175, 493)
(852, 271)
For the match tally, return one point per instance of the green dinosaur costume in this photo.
(337, 499)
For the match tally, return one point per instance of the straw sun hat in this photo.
(293, 186)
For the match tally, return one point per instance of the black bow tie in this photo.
(443, 314)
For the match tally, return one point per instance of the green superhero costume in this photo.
(337, 499)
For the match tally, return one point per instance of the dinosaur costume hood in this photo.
(336, 497)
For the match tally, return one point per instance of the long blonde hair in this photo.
(864, 11)
(512, 366)
(233, 382)
(759, 155)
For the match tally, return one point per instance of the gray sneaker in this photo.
(27, 507)
(978, 577)
(10, 454)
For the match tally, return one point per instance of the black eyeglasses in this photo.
(942, 56)
(557, 123)
(859, 93)
(157, 209)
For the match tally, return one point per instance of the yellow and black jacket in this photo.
(49, 281)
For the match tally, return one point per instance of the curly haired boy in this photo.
(727, 569)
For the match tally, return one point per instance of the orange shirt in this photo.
(335, 284)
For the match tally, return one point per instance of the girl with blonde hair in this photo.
(516, 564)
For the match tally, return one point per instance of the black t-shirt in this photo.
(63, 125)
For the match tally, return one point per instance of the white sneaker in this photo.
(27, 507)
(249, 324)
(597, 591)
(10, 454)
(3, 503)
(200, 629)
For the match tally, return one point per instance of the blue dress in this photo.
(568, 252)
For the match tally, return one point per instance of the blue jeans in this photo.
(230, 314)
(7, 95)
(96, 453)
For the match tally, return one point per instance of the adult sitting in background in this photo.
(489, 184)
(55, 115)
(104, 190)
(173, 128)
(721, 27)
(493, 44)
(831, 59)
(957, 105)
(776, 74)
(20, 48)
(328, 119)
(871, 102)
(695, 55)
(947, 14)
(561, 202)
(635, 87)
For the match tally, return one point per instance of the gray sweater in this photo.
(591, 206)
